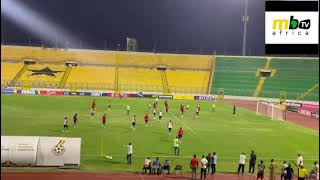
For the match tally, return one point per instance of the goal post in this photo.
(270, 109)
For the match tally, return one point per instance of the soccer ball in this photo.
(110, 157)
(59, 149)
(107, 157)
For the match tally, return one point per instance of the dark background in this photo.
(175, 26)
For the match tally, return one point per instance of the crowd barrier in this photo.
(63, 92)
(40, 151)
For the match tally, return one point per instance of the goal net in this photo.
(270, 109)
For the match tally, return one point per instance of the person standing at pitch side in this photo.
(252, 162)
(129, 154)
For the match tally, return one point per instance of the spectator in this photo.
(156, 166)
(252, 163)
(261, 168)
(302, 172)
(272, 168)
(283, 170)
(299, 161)
(194, 163)
(315, 170)
(289, 172)
(147, 166)
(166, 166)
(204, 163)
(209, 162)
(129, 154)
(242, 162)
(214, 162)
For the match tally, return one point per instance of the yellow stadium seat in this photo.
(10, 70)
(182, 81)
(138, 79)
(33, 73)
(91, 77)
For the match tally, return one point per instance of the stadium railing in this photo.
(102, 86)
(143, 88)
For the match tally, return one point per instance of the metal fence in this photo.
(313, 96)
(103, 86)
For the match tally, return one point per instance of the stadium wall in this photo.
(135, 94)
(40, 151)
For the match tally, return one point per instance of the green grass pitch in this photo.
(213, 131)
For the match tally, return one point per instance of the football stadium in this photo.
(70, 110)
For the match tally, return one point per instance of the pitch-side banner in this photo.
(183, 97)
(56, 151)
(19, 150)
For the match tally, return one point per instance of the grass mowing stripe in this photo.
(187, 157)
(101, 152)
(216, 131)
(183, 123)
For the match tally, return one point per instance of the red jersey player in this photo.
(181, 109)
(93, 108)
(146, 119)
(166, 106)
(75, 119)
(104, 118)
(180, 133)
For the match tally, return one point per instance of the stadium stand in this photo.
(138, 79)
(10, 70)
(113, 58)
(294, 76)
(32, 73)
(136, 71)
(91, 77)
(236, 75)
(183, 81)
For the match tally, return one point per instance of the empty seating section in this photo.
(15, 53)
(185, 73)
(237, 76)
(138, 79)
(294, 76)
(32, 73)
(107, 57)
(182, 81)
(91, 77)
(10, 70)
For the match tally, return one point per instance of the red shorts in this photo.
(260, 175)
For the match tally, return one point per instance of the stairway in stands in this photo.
(116, 80)
(19, 74)
(165, 84)
(308, 91)
(65, 77)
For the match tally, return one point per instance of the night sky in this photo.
(183, 26)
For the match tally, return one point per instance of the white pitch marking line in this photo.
(226, 157)
(182, 123)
